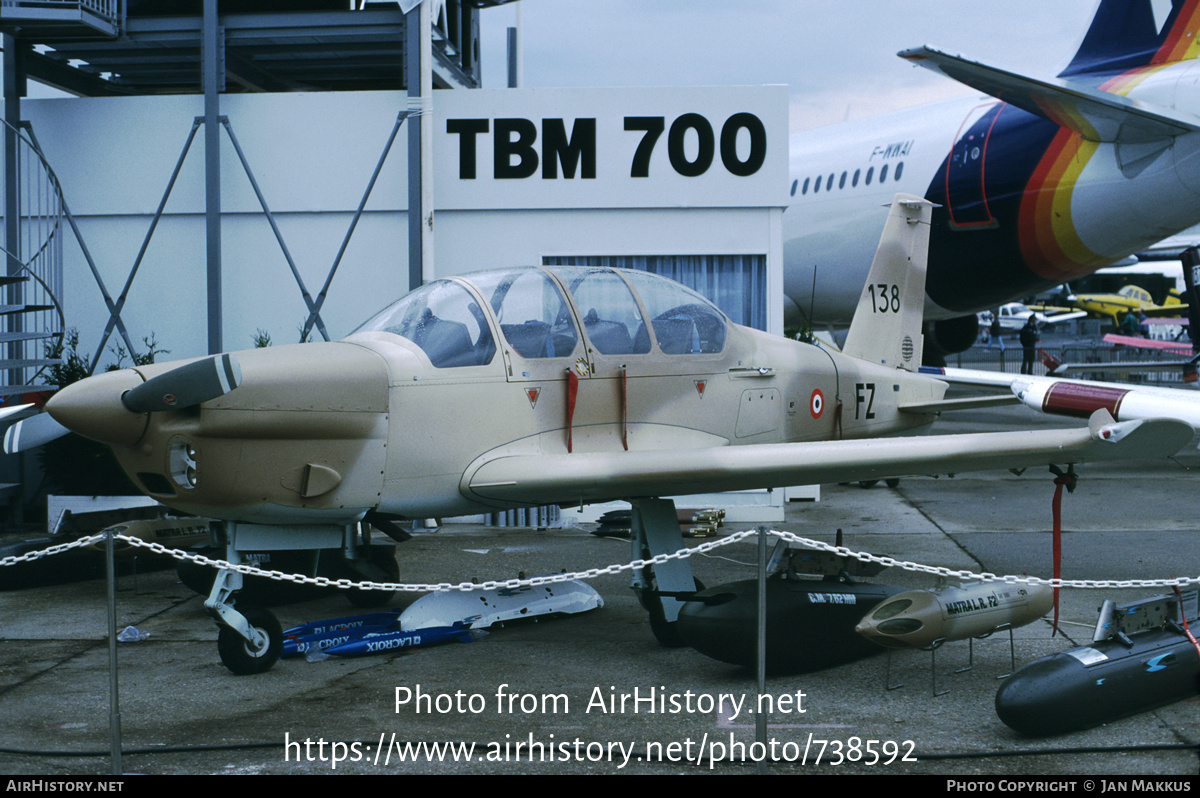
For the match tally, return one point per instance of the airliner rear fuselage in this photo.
(1025, 202)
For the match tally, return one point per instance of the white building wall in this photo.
(313, 155)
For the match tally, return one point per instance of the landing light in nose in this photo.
(182, 458)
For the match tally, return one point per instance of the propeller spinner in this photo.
(90, 407)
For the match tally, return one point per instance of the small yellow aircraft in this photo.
(538, 386)
(1130, 298)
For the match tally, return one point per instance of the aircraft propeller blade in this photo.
(12, 410)
(185, 386)
(29, 433)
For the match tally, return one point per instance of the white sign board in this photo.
(610, 148)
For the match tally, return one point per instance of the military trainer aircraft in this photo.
(542, 386)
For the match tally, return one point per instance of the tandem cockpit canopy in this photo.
(552, 313)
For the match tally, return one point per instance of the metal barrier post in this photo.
(114, 709)
(760, 720)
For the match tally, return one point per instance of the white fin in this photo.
(887, 324)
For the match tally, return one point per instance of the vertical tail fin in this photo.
(887, 323)
(1127, 34)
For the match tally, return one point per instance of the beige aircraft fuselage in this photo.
(326, 432)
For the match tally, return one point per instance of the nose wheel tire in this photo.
(239, 655)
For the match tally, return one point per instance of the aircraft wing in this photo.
(1050, 310)
(567, 478)
(1096, 115)
(1056, 318)
(1166, 311)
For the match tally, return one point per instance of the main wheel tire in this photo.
(239, 656)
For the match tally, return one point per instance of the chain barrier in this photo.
(52, 550)
(703, 548)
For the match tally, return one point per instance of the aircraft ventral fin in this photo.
(602, 476)
(1096, 115)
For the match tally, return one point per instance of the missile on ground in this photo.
(929, 617)
(320, 635)
(379, 642)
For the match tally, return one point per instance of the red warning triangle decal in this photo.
(700, 387)
(533, 393)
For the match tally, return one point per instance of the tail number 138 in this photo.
(885, 297)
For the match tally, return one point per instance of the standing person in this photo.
(1129, 324)
(1029, 340)
(995, 332)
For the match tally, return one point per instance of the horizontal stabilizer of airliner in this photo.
(1096, 115)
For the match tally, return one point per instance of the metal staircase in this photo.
(93, 16)
(31, 318)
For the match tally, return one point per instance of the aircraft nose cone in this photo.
(92, 408)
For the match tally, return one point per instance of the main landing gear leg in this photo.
(662, 588)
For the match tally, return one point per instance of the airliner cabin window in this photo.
(444, 320)
(533, 315)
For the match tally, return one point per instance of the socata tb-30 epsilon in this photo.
(1037, 183)
(542, 386)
